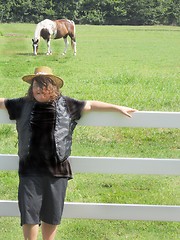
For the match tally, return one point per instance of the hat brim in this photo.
(59, 81)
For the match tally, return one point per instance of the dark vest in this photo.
(62, 134)
(63, 130)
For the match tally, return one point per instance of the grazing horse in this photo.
(48, 29)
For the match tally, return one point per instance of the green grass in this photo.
(127, 65)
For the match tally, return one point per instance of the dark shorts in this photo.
(41, 198)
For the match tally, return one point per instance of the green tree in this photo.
(117, 12)
(89, 12)
(41, 9)
(64, 9)
(7, 10)
(114, 12)
(172, 12)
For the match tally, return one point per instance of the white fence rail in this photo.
(114, 166)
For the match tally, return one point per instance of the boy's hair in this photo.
(48, 83)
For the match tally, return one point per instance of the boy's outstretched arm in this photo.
(103, 106)
(2, 105)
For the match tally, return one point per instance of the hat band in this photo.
(42, 73)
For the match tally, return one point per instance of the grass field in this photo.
(127, 65)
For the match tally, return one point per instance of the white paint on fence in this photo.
(122, 211)
(112, 165)
(106, 211)
(141, 119)
(109, 165)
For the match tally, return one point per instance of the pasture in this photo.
(127, 65)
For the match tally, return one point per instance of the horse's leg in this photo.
(66, 45)
(35, 46)
(49, 52)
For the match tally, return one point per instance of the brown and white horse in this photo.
(48, 29)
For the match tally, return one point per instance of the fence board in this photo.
(141, 119)
(109, 165)
(106, 211)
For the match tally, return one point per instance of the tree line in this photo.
(102, 12)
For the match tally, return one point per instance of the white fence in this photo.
(112, 165)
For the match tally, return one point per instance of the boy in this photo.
(45, 121)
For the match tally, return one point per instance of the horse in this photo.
(54, 29)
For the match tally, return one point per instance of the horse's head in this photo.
(35, 46)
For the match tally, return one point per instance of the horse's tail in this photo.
(73, 39)
(74, 27)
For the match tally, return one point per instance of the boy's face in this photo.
(40, 94)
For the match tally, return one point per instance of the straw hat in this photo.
(39, 71)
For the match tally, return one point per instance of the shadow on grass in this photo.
(30, 54)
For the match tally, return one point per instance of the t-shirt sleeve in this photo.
(14, 107)
(75, 107)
